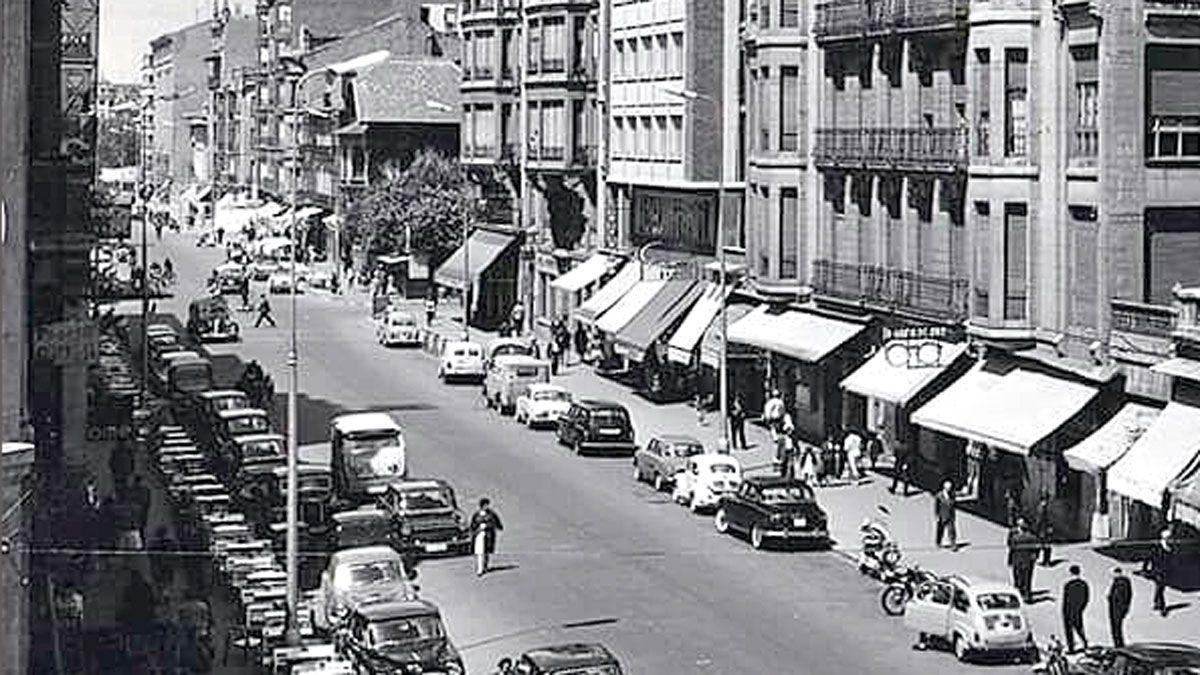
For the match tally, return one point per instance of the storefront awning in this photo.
(608, 294)
(657, 317)
(890, 375)
(632, 302)
(1112, 440)
(801, 335)
(1185, 369)
(683, 342)
(269, 210)
(482, 250)
(710, 344)
(306, 212)
(1159, 456)
(1185, 497)
(1013, 410)
(583, 274)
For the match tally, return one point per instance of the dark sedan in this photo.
(427, 517)
(773, 508)
(365, 526)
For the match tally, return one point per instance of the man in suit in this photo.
(945, 510)
(1022, 556)
(1120, 597)
(1074, 602)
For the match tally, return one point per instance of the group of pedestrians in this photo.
(1076, 595)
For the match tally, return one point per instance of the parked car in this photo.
(280, 282)
(663, 457)
(773, 508)
(568, 659)
(399, 636)
(199, 412)
(231, 278)
(209, 320)
(397, 328)
(231, 424)
(542, 404)
(592, 424)
(250, 454)
(1143, 658)
(705, 479)
(508, 376)
(427, 517)
(509, 346)
(263, 268)
(461, 360)
(972, 616)
(364, 526)
(367, 452)
(367, 574)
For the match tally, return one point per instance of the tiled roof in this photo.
(336, 18)
(400, 34)
(402, 90)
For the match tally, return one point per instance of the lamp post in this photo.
(293, 358)
(691, 95)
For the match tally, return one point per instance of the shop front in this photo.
(486, 266)
(565, 292)
(641, 341)
(807, 354)
(746, 366)
(998, 432)
(608, 295)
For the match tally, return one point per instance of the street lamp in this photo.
(293, 358)
(691, 95)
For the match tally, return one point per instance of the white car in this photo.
(281, 282)
(461, 359)
(359, 575)
(261, 270)
(972, 616)
(397, 328)
(542, 405)
(705, 479)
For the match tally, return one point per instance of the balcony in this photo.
(914, 148)
(849, 19)
(1140, 319)
(923, 294)
(1173, 140)
(548, 153)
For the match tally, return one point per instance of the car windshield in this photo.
(369, 574)
(683, 449)
(722, 468)
(465, 352)
(230, 402)
(995, 601)
(787, 494)
(426, 499)
(401, 320)
(551, 395)
(526, 371)
(364, 444)
(590, 670)
(504, 350)
(262, 449)
(248, 424)
(409, 629)
(609, 417)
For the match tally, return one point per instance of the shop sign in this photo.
(946, 333)
(681, 221)
(65, 343)
(913, 353)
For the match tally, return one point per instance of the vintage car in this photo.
(364, 526)
(773, 508)
(232, 278)
(663, 457)
(398, 636)
(542, 404)
(705, 479)
(508, 346)
(367, 574)
(199, 412)
(568, 659)
(180, 375)
(263, 268)
(280, 282)
(427, 517)
(314, 494)
(508, 376)
(209, 320)
(1143, 658)
(972, 616)
(231, 424)
(367, 453)
(397, 328)
(596, 425)
(245, 456)
(461, 360)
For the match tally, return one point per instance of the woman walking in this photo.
(485, 525)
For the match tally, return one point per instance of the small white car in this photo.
(397, 328)
(281, 282)
(705, 479)
(972, 616)
(461, 360)
(262, 269)
(542, 405)
(359, 575)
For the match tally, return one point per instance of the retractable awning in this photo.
(583, 274)
(608, 295)
(1113, 439)
(1013, 409)
(1159, 456)
(1185, 497)
(657, 317)
(710, 344)
(896, 380)
(482, 250)
(801, 335)
(1184, 369)
(681, 347)
(632, 302)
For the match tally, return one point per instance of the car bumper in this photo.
(609, 446)
(402, 338)
(218, 336)
(793, 534)
(462, 371)
(706, 499)
(1001, 644)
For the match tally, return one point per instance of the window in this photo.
(677, 137)
(1084, 267)
(789, 13)
(506, 53)
(534, 44)
(579, 135)
(660, 137)
(619, 61)
(1087, 102)
(983, 101)
(508, 128)
(1173, 90)
(789, 108)
(554, 46)
(1015, 263)
(764, 14)
(752, 13)
(633, 147)
(468, 56)
(763, 222)
(646, 64)
(788, 233)
(764, 128)
(1016, 103)
(619, 136)
(676, 58)
(663, 65)
(983, 262)
(580, 63)
(646, 133)
(632, 63)
(483, 54)
(553, 125)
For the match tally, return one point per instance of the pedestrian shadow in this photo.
(506, 567)
(1174, 607)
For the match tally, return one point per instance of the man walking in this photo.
(1120, 597)
(773, 411)
(901, 468)
(485, 524)
(264, 312)
(555, 354)
(1075, 600)
(1042, 524)
(1022, 557)
(946, 511)
(737, 423)
(1160, 562)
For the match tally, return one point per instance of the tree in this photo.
(432, 197)
(117, 141)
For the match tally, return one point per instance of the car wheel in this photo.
(637, 472)
(960, 649)
(659, 483)
(757, 540)
(721, 521)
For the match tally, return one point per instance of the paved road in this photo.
(584, 544)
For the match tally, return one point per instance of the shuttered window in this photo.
(788, 227)
(983, 258)
(1084, 266)
(1016, 225)
(1173, 252)
(1174, 81)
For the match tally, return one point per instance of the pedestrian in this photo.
(581, 343)
(701, 412)
(517, 319)
(244, 291)
(264, 312)
(563, 336)
(1022, 556)
(555, 353)
(1043, 527)
(874, 448)
(125, 516)
(505, 667)
(430, 308)
(220, 233)
(1075, 600)
(737, 423)
(485, 525)
(1120, 597)
(783, 451)
(1160, 563)
(901, 469)
(158, 228)
(946, 511)
(139, 497)
(808, 464)
(852, 446)
(773, 411)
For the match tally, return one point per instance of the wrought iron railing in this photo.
(847, 18)
(892, 288)
(1142, 319)
(893, 145)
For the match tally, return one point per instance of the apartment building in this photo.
(234, 54)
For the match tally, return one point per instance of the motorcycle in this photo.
(880, 552)
(902, 583)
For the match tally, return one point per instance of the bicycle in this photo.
(1055, 660)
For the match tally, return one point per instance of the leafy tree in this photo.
(432, 197)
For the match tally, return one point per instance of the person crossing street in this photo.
(1120, 598)
(264, 312)
(1074, 602)
(485, 525)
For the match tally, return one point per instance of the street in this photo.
(587, 554)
